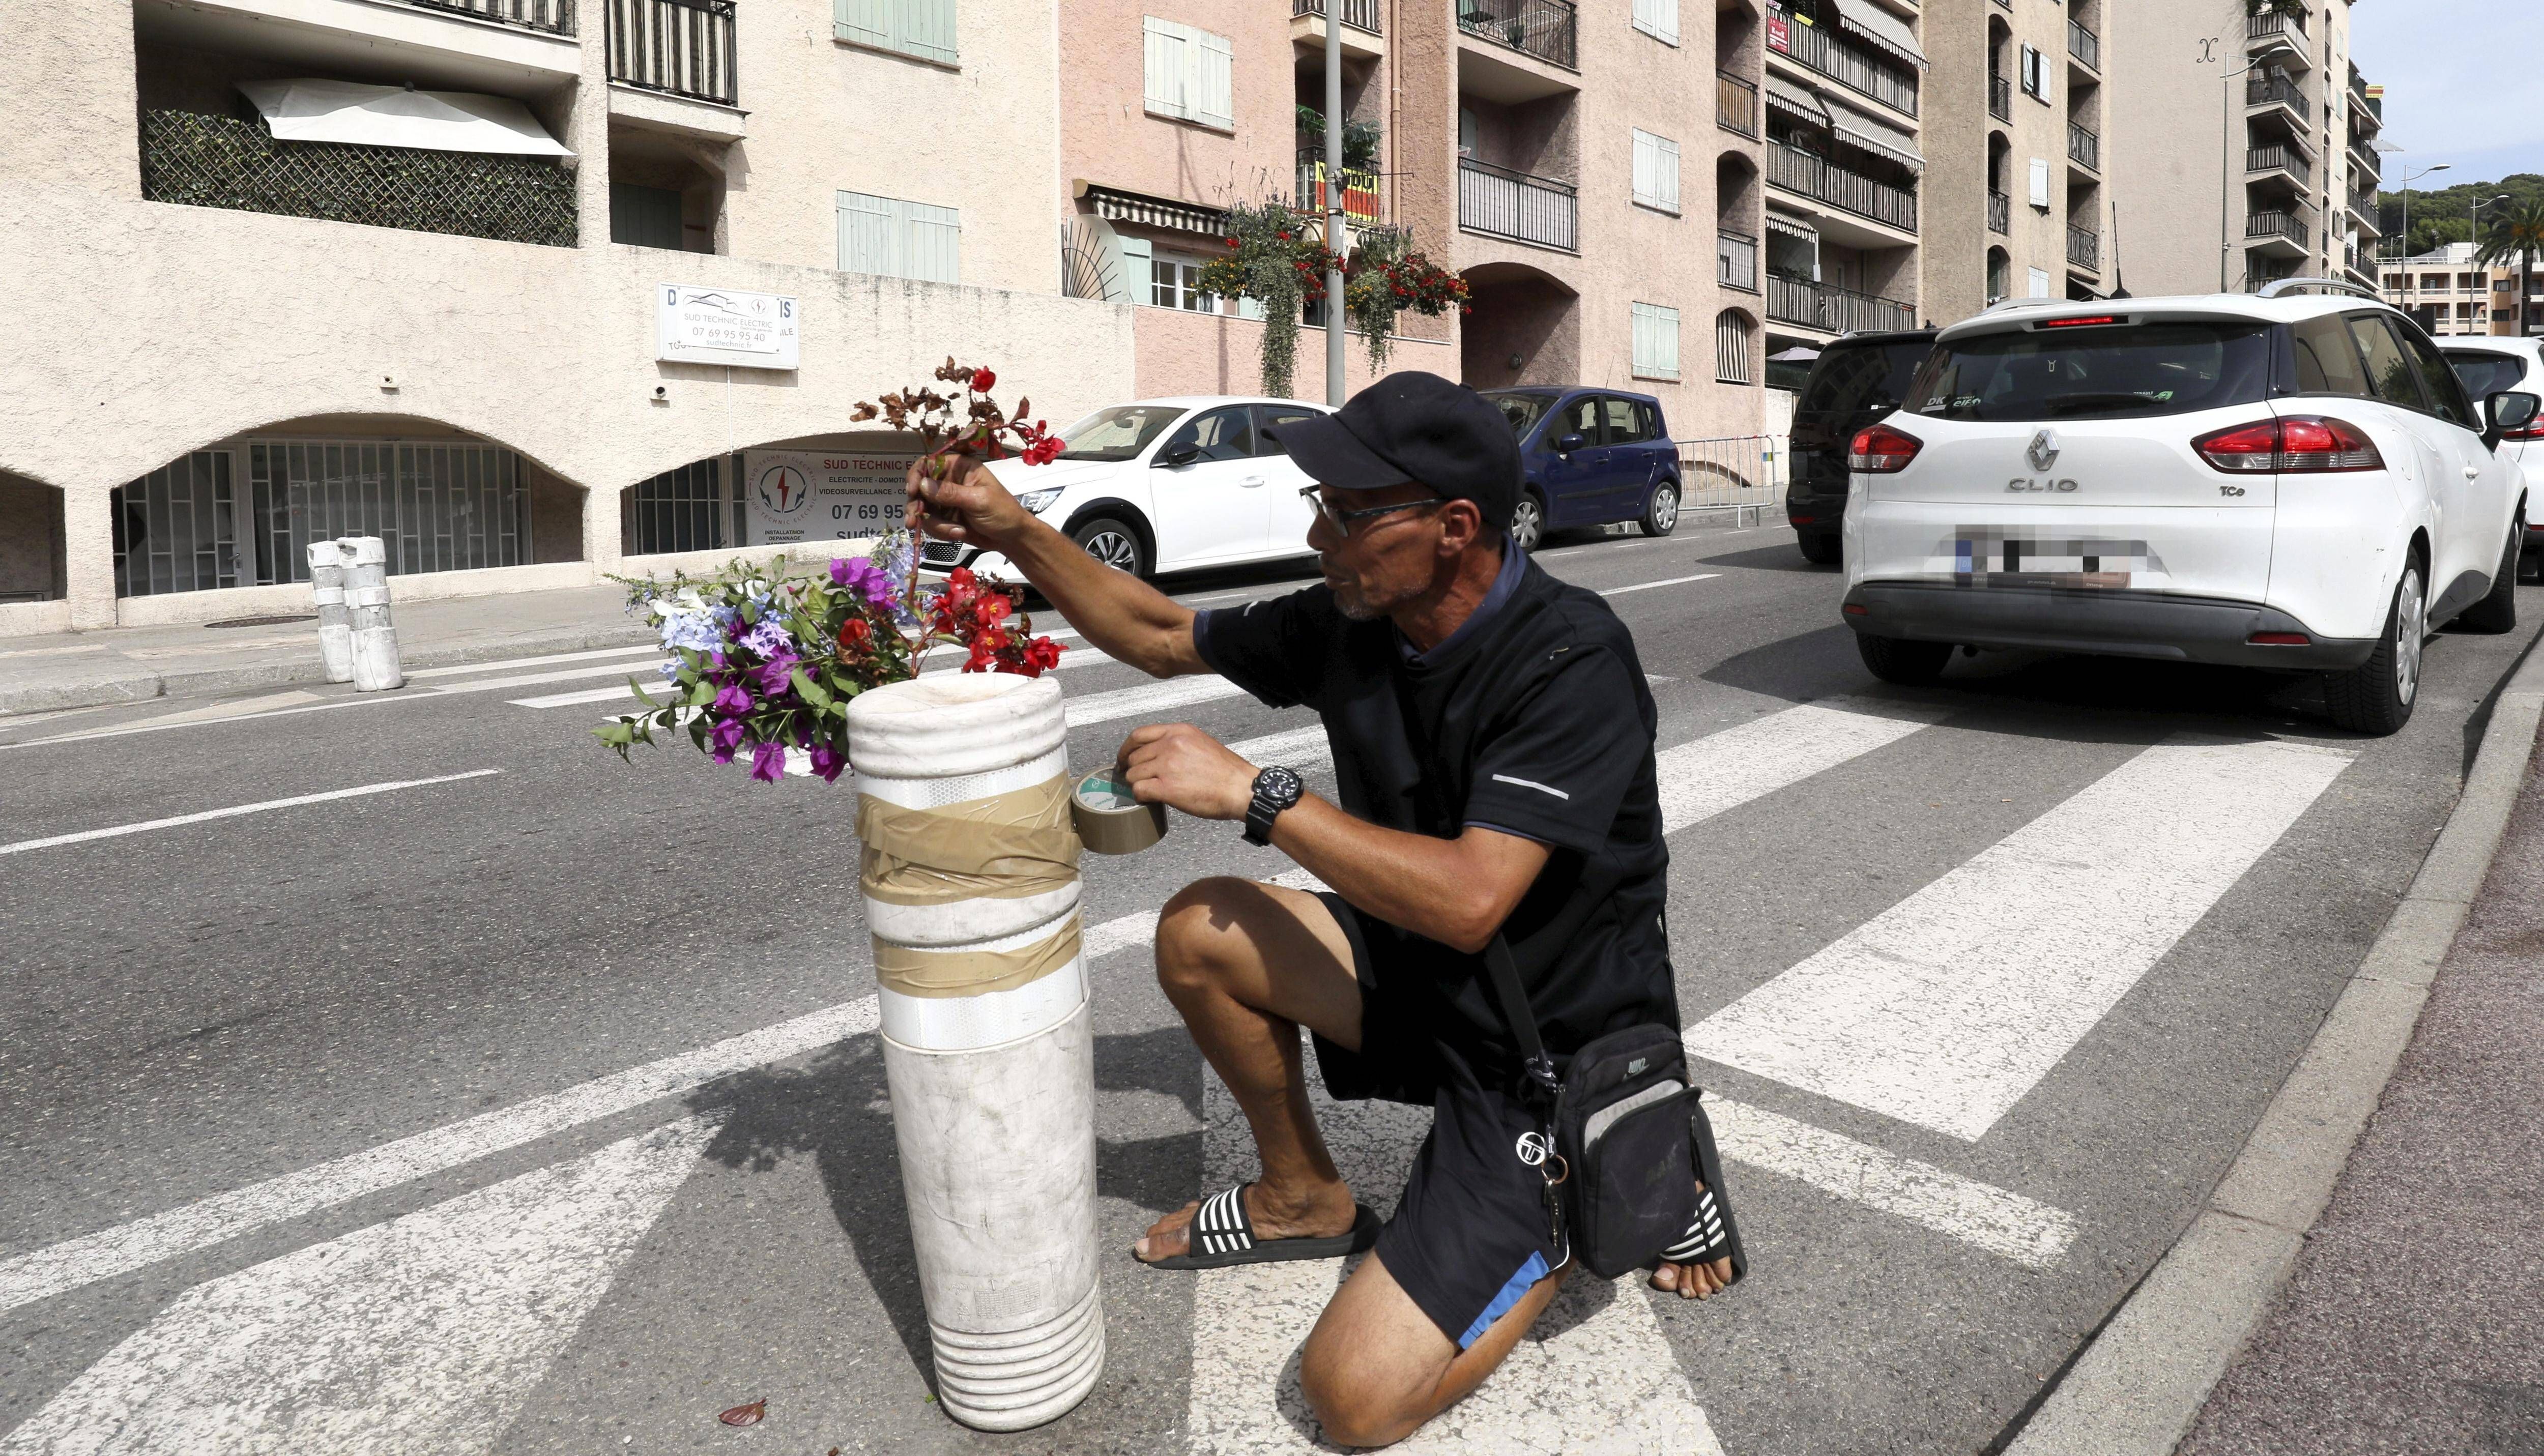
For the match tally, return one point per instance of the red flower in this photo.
(981, 379)
(855, 635)
(1043, 451)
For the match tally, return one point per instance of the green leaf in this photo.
(642, 696)
(809, 690)
(704, 694)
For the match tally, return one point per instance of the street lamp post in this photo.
(2407, 200)
(2480, 203)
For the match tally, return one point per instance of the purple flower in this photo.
(768, 762)
(827, 761)
(732, 700)
(773, 674)
(768, 639)
(724, 738)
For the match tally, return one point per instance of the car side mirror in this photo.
(1567, 444)
(1183, 454)
(2509, 410)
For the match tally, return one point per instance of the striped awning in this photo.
(1795, 102)
(1875, 135)
(1792, 227)
(1881, 28)
(1115, 206)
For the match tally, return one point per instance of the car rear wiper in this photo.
(2068, 404)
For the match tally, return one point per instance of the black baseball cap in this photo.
(1419, 427)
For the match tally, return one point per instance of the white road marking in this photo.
(1297, 749)
(1725, 770)
(1946, 1008)
(1672, 581)
(562, 674)
(420, 1337)
(1149, 698)
(586, 695)
(2002, 1223)
(120, 830)
(462, 669)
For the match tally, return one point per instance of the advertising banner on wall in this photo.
(791, 496)
(723, 326)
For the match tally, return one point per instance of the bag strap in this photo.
(1502, 968)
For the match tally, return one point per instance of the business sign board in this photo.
(722, 326)
(1780, 32)
(791, 496)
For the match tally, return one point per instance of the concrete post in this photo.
(366, 592)
(335, 618)
(987, 1051)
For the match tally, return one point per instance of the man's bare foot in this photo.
(1693, 1280)
(1321, 1214)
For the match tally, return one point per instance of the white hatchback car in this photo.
(2487, 367)
(2279, 480)
(1164, 486)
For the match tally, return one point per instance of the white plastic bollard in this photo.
(335, 618)
(970, 891)
(367, 591)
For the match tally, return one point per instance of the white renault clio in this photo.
(2282, 481)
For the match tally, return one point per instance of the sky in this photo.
(2462, 85)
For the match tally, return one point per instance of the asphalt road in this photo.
(415, 1121)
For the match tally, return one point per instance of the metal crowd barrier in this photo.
(1744, 474)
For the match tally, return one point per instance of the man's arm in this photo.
(1120, 615)
(1457, 891)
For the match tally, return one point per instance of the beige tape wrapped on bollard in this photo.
(970, 875)
(335, 618)
(366, 592)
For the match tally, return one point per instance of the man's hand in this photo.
(1180, 766)
(968, 505)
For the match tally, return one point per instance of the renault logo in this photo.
(2045, 451)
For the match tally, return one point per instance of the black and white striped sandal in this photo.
(1222, 1236)
(1714, 1235)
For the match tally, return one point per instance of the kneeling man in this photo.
(1493, 746)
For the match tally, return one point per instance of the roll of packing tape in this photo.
(1109, 821)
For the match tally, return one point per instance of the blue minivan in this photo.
(1590, 457)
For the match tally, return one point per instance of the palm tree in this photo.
(2516, 232)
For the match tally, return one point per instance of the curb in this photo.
(95, 692)
(2140, 1381)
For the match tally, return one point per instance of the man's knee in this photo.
(1356, 1405)
(1195, 932)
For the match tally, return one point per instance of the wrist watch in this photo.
(1275, 789)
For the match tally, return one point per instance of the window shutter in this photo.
(927, 29)
(865, 21)
(2039, 283)
(1655, 341)
(1213, 95)
(1657, 19)
(1646, 166)
(1666, 152)
(1168, 66)
(869, 234)
(1133, 279)
(935, 246)
(921, 28)
(2039, 182)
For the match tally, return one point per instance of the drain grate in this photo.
(262, 620)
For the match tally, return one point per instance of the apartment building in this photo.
(2014, 124)
(2451, 291)
(2251, 146)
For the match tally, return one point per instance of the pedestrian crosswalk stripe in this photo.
(1946, 1008)
(1147, 697)
(1297, 749)
(561, 674)
(1723, 770)
(462, 669)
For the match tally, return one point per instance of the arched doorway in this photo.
(1526, 327)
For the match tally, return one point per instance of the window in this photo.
(1580, 417)
(2039, 283)
(2036, 74)
(2446, 396)
(1173, 280)
(1118, 434)
(1657, 19)
(1189, 73)
(2485, 374)
(920, 27)
(1466, 129)
(2131, 371)
(1220, 434)
(1270, 419)
(1656, 172)
(2040, 186)
(1655, 341)
(1617, 418)
(1731, 348)
(900, 239)
(2389, 375)
(2326, 362)
(643, 217)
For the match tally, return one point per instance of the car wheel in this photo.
(1820, 548)
(1528, 522)
(1661, 516)
(1114, 543)
(2498, 610)
(1897, 659)
(2376, 696)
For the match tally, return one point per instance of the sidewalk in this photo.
(2415, 1322)
(58, 670)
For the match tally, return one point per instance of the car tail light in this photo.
(1882, 450)
(1801, 520)
(2533, 431)
(2280, 640)
(2298, 444)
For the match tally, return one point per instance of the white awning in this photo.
(1792, 227)
(1881, 28)
(1874, 137)
(312, 109)
(1795, 101)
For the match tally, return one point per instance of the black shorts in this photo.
(1469, 1233)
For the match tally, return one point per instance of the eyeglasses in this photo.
(1341, 520)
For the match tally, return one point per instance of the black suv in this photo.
(1857, 380)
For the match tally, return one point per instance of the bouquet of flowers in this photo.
(764, 662)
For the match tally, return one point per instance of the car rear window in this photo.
(2485, 374)
(2119, 372)
(1855, 381)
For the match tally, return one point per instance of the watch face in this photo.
(1281, 786)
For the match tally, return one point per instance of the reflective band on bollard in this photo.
(367, 593)
(335, 620)
(970, 875)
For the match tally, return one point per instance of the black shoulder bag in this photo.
(1616, 1148)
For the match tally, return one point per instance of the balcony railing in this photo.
(681, 46)
(1360, 185)
(2084, 44)
(1542, 28)
(2279, 157)
(2084, 146)
(1831, 309)
(2262, 91)
(1852, 66)
(2000, 97)
(1798, 171)
(1513, 204)
(1359, 14)
(556, 17)
(1735, 256)
(2084, 247)
(1736, 104)
(2000, 211)
(2278, 22)
(2278, 225)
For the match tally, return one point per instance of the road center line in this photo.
(1672, 581)
(173, 822)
